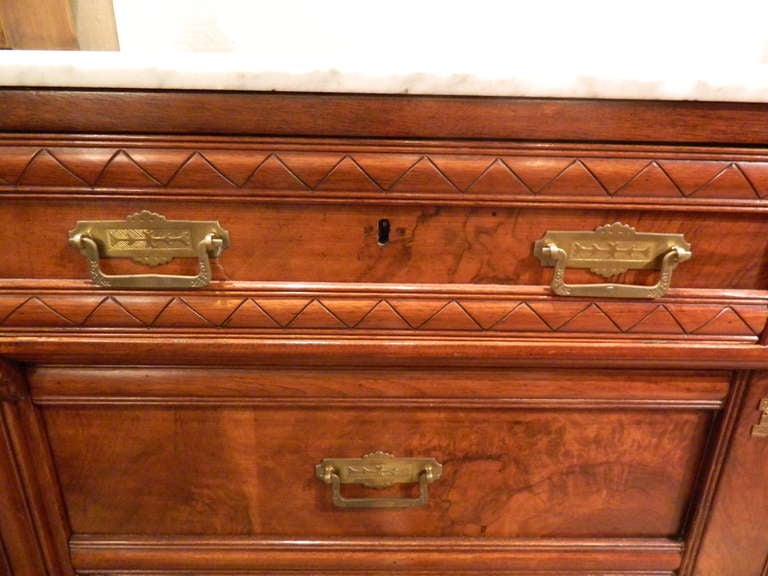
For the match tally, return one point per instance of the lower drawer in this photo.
(524, 454)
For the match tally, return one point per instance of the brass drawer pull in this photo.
(148, 238)
(608, 251)
(378, 470)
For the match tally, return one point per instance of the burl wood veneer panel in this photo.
(522, 456)
(339, 243)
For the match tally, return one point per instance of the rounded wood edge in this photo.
(310, 350)
(90, 554)
(382, 116)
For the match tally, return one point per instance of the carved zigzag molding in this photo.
(306, 170)
(373, 313)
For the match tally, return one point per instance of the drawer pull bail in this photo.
(609, 251)
(378, 470)
(150, 239)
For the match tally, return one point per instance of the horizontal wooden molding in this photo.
(331, 572)
(319, 350)
(130, 542)
(411, 403)
(403, 310)
(92, 554)
(384, 116)
(394, 387)
(429, 172)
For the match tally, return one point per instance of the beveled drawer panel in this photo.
(231, 452)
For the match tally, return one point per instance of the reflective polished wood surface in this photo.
(380, 293)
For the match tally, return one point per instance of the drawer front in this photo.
(524, 455)
(457, 212)
(307, 251)
(427, 244)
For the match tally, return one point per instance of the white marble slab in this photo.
(652, 49)
(237, 71)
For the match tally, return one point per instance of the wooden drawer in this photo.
(428, 244)
(225, 453)
(314, 262)
(284, 236)
(306, 250)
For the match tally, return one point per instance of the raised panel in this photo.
(233, 453)
(507, 473)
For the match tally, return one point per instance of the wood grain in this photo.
(13, 384)
(19, 552)
(320, 351)
(339, 243)
(270, 308)
(177, 432)
(712, 470)
(4, 42)
(17, 531)
(511, 468)
(34, 530)
(57, 385)
(95, 24)
(736, 537)
(169, 112)
(39, 26)
(421, 556)
(437, 171)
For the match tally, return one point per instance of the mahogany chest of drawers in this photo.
(336, 334)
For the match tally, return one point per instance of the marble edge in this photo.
(207, 71)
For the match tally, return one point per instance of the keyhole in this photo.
(383, 231)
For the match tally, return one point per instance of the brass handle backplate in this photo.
(608, 251)
(378, 470)
(151, 239)
(760, 430)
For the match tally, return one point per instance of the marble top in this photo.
(536, 77)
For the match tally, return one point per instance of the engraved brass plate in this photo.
(378, 470)
(611, 250)
(150, 239)
(760, 430)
